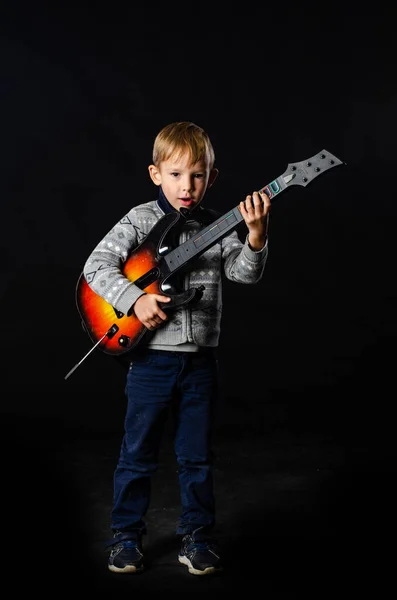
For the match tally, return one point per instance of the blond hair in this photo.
(177, 138)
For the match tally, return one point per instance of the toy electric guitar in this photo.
(153, 264)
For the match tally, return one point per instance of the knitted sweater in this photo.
(189, 327)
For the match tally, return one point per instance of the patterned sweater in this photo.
(189, 327)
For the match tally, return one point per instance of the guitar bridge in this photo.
(148, 278)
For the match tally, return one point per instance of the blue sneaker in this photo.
(200, 554)
(126, 554)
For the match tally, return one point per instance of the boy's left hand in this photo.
(255, 211)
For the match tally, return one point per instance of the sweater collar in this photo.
(165, 206)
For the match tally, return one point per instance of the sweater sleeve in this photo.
(241, 263)
(103, 267)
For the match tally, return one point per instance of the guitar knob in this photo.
(124, 340)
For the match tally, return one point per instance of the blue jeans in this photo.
(184, 384)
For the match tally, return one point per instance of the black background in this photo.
(311, 349)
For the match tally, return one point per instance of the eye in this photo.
(199, 175)
(174, 174)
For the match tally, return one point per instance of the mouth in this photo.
(187, 202)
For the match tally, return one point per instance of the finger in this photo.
(243, 209)
(265, 199)
(247, 204)
(257, 200)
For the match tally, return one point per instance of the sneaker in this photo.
(200, 554)
(126, 553)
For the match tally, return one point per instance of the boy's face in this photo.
(183, 184)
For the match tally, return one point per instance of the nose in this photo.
(187, 184)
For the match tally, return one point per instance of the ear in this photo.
(154, 174)
(213, 175)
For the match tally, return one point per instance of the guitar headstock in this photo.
(303, 172)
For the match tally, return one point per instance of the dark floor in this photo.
(300, 512)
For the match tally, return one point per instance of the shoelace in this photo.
(201, 546)
(129, 544)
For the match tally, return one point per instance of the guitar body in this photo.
(119, 333)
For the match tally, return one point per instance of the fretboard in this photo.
(203, 240)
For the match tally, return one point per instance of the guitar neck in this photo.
(213, 233)
(300, 173)
(203, 240)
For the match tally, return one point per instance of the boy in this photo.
(177, 367)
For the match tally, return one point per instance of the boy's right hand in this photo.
(148, 310)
